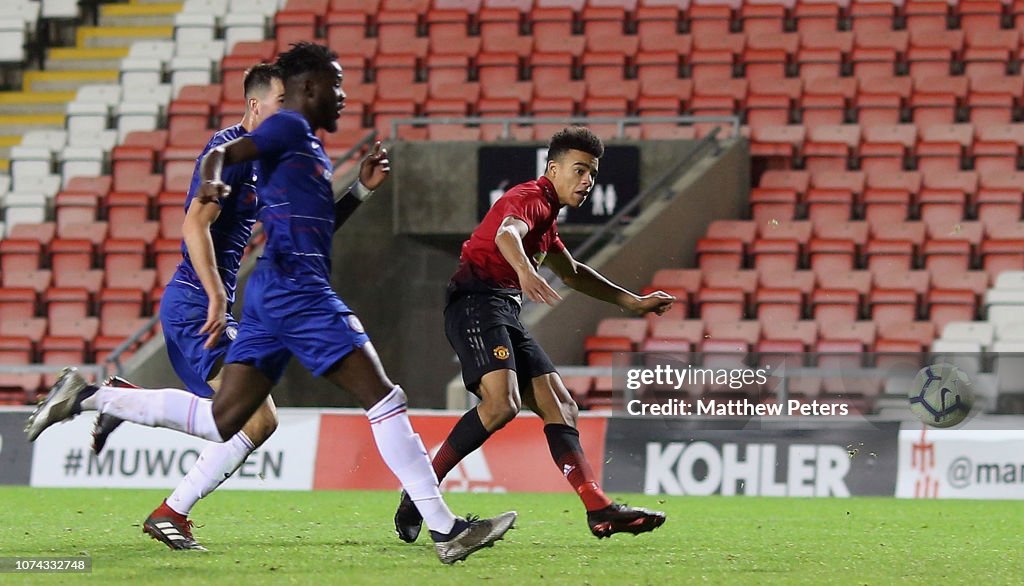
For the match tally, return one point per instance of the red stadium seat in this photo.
(719, 254)
(815, 17)
(396, 77)
(70, 256)
(798, 181)
(709, 19)
(886, 206)
(1000, 254)
(831, 255)
(829, 206)
(892, 305)
(553, 31)
(448, 31)
(600, 350)
(63, 351)
(20, 255)
(796, 230)
(926, 16)
(778, 305)
(859, 281)
(872, 16)
(889, 255)
(720, 305)
(768, 204)
(946, 305)
(66, 305)
(500, 31)
(17, 304)
(689, 330)
(688, 279)
(396, 34)
(829, 306)
(91, 280)
(776, 255)
(635, 329)
(124, 255)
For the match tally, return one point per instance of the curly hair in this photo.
(305, 57)
(578, 138)
(258, 78)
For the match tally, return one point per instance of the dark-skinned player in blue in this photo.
(290, 310)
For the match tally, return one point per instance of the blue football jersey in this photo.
(297, 208)
(231, 230)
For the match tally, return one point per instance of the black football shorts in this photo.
(485, 331)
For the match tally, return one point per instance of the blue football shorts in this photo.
(182, 315)
(287, 316)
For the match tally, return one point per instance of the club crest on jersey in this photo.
(231, 332)
(501, 352)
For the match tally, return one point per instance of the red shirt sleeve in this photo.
(527, 207)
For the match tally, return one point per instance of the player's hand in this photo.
(212, 191)
(375, 167)
(216, 322)
(658, 302)
(537, 289)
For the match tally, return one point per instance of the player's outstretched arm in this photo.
(592, 283)
(212, 187)
(373, 171)
(509, 240)
(198, 219)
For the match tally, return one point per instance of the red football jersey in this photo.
(533, 202)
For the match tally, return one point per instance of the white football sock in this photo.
(403, 452)
(215, 464)
(169, 408)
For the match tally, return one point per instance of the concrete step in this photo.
(121, 36)
(80, 58)
(21, 123)
(66, 81)
(35, 102)
(134, 15)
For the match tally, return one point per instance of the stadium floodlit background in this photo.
(832, 188)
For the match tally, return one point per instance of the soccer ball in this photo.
(941, 395)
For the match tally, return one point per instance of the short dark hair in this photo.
(258, 78)
(578, 138)
(305, 57)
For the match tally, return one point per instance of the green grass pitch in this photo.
(346, 538)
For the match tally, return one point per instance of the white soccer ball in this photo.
(941, 395)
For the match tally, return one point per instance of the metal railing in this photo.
(662, 185)
(621, 122)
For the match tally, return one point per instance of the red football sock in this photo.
(566, 451)
(467, 435)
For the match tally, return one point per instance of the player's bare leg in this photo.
(361, 373)
(499, 403)
(549, 398)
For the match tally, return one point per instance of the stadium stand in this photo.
(886, 140)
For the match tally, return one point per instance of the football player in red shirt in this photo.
(501, 363)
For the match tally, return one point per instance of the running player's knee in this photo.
(501, 411)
